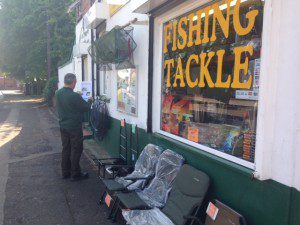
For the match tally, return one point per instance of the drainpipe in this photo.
(93, 67)
(82, 68)
(150, 73)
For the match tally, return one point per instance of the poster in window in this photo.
(127, 91)
(86, 90)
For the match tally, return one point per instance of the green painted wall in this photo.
(261, 202)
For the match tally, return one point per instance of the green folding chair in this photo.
(183, 204)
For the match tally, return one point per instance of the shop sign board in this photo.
(197, 34)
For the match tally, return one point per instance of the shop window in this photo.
(127, 91)
(211, 69)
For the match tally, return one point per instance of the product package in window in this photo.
(166, 113)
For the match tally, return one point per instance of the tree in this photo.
(30, 31)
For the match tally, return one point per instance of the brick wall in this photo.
(8, 84)
(85, 6)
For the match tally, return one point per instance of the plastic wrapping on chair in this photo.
(146, 217)
(144, 167)
(168, 166)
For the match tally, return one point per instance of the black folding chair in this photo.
(134, 147)
(107, 164)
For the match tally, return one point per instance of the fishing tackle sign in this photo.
(199, 28)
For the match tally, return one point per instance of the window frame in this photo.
(84, 68)
(104, 80)
(158, 79)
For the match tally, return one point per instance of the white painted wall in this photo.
(62, 71)
(278, 149)
(278, 133)
(78, 72)
(83, 35)
(141, 37)
(71, 67)
(75, 66)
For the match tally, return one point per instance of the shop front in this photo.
(215, 95)
(210, 78)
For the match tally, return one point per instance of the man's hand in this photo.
(91, 99)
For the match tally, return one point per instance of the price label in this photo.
(107, 200)
(133, 128)
(193, 134)
(123, 122)
(212, 211)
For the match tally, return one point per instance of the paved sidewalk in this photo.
(31, 189)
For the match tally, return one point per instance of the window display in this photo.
(211, 62)
(127, 91)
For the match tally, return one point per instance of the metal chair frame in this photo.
(132, 151)
(103, 163)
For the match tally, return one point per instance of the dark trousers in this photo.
(72, 143)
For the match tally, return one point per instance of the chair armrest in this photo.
(107, 159)
(137, 178)
(193, 218)
(99, 159)
(123, 166)
(107, 163)
(120, 170)
(104, 160)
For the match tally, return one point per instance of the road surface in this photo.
(31, 189)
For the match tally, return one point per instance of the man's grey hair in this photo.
(69, 78)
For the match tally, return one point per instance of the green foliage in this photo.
(49, 90)
(23, 36)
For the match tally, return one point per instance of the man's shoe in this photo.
(67, 176)
(81, 176)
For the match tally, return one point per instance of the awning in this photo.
(73, 6)
(151, 5)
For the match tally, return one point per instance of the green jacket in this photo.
(70, 107)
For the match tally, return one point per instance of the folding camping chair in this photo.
(121, 169)
(143, 172)
(104, 163)
(134, 152)
(155, 195)
(185, 199)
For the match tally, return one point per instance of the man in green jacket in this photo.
(71, 107)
